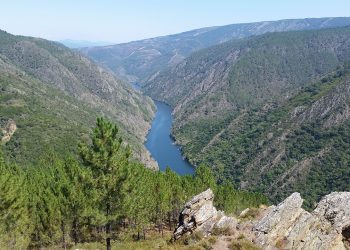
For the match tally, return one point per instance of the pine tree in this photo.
(15, 220)
(43, 206)
(176, 193)
(107, 157)
(79, 196)
(162, 199)
(139, 203)
(204, 179)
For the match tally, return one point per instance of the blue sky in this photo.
(120, 21)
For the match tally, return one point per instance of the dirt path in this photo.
(222, 243)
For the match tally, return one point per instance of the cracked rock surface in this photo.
(288, 226)
(285, 226)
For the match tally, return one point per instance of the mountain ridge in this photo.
(75, 80)
(75, 44)
(139, 60)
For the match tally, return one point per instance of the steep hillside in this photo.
(54, 94)
(301, 145)
(140, 59)
(227, 107)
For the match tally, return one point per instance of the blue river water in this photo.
(162, 146)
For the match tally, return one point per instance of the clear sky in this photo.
(125, 20)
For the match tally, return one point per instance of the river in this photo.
(161, 145)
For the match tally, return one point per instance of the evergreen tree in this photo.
(204, 179)
(60, 201)
(15, 220)
(162, 199)
(176, 194)
(139, 201)
(107, 157)
(79, 196)
(44, 206)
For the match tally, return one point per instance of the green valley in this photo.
(222, 137)
(229, 114)
(54, 96)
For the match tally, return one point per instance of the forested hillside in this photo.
(99, 197)
(229, 99)
(53, 96)
(301, 145)
(139, 60)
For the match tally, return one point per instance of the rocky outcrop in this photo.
(282, 216)
(288, 226)
(199, 214)
(285, 226)
(331, 109)
(8, 131)
(226, 222)
(145, 157)
(335, 208)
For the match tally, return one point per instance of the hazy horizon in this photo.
(112, 22)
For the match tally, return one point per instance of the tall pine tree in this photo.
(108, 158)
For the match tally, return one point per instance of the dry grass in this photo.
(243, 244)
(227, 231)
(154, 241)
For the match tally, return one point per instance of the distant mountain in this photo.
(238, 108)
(139, 60)
(54, 96)
(74, 44)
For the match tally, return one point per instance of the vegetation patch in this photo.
(243, 244)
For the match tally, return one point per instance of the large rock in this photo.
(8, 131)
(288, 226)
(226, 222)
(280, 218)
(199, 213)
(285, 226)
(335, 208)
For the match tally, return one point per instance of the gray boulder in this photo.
(288, 226)
(281, 217)
(226, 222)
(335, 208)
(198, 214)
(285, 226)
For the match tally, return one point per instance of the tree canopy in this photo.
(95, 195)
